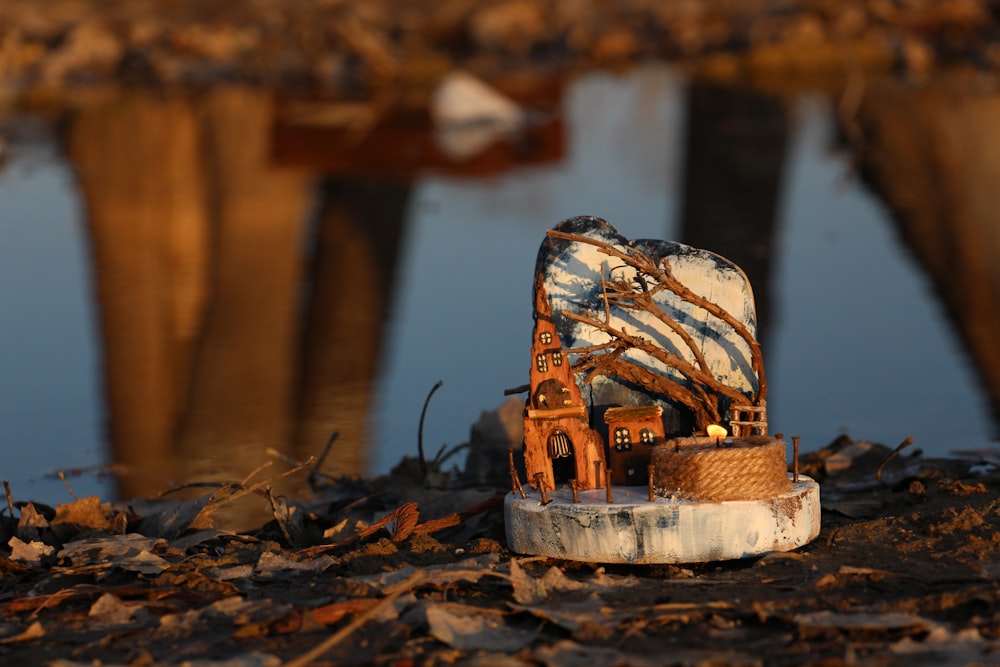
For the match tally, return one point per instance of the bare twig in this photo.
(604, 294)
(10, 498)
(903, 445)
(644, 301)
(420, 429)
(756, 357)
(69, 488)
(311, 479)
(230, 491)
(704, 411)
(245, 490)
(691, 372)
(515, 481)
(274, 453)
(275, 513)
(253, 473)
(663, 276)
(447, 453)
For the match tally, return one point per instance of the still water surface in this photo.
(855, 340)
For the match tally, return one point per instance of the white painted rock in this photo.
(634, 530)
(572, 275)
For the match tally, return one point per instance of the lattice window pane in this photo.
(559, 445)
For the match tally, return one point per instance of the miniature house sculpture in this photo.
(556, 419)
(640, 351)
(632, 433)
(654, 360)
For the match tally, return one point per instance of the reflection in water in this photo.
(197, 247)
(735, 155)
(219, 339)
(360, 231)
(249, 292)
(938, 168)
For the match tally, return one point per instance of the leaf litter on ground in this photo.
(383, 572)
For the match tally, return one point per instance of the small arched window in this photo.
(559, 445)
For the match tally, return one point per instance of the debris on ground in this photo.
(395, 573)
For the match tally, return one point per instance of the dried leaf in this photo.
(342, 531)
(332, 613)
(861, 622)
(169, 518)
(469, 628)
(31, 552)
(434, 525)
(862, 508)
(571, 616)
(527, 589)
(207, 535)
(196, 581)
(8, 566)
(241, 612)
(402, 522)
(943, 648)
(83, 515)
(228, 573)
(35, 602)
(402, 513)
(470, 570)
(111, 611)
(128, 552)
(177, 626)
(270, 564)
(568, 653)
(291, 520)
(32, 525)
(34, 631)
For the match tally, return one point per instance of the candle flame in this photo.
(716, 431)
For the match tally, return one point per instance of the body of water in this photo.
(433, 282)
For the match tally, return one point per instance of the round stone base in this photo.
(634, 530)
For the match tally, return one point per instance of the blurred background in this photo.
(228, 228)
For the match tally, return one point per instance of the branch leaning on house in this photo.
(689, 396)
(610, 364)
(665, 279)
(629, 300)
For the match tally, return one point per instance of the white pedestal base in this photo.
(634, 530)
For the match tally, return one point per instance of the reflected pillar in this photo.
(198, 254)
(137, 163)
(359, 231)
(241, 394)
(934, 156)
(734, 159)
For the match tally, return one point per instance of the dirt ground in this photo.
(386, 573)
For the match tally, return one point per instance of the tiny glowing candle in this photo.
(716, 431)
